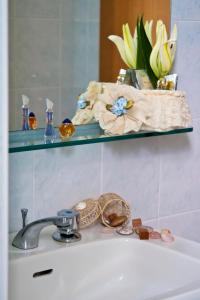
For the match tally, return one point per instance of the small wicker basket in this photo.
(111, 203)
(89, 212)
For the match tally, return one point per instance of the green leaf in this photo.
(140, 59)
(146, 49)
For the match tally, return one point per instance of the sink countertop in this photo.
(94, 233)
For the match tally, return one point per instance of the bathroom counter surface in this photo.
(97, 233)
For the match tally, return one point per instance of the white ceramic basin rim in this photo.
(115, 269)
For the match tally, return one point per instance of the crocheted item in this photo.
(152, 110)
(84, 113)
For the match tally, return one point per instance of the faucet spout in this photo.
(28, 237)
(67, 222)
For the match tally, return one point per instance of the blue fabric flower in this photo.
(81, 102)
(119, 105)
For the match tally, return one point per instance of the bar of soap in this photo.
(117, 221)
(111, 217)
(144, 234)
(143, 227)
(136, 222)
(154, 235)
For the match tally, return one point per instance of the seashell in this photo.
(166, 236)
(118, 221)
(167, 231)
(81, 205)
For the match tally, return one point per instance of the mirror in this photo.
(57, 47)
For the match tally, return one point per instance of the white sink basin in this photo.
(106, 267)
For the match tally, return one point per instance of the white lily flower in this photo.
(148, 29)
(119, 42)
(163, 53)
(127, 47)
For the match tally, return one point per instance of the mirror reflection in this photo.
(58, 47)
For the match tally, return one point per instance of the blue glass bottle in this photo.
(25, 117)
(49, 134)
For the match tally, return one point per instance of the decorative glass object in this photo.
(25, 112)
(114, 210)
(66, 129)
(32, 121)
(49, 133)
(138, 79)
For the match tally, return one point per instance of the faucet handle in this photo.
(67, 226)
(70, 221)
(24, 212)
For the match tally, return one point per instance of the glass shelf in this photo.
(20, 141)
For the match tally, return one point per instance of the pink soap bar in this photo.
(154, 235)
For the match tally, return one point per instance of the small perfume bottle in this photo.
(49, 134)
(66, 129)
(32, 121)
(121, 76)
(25, 112)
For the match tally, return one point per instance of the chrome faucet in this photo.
(67, 222)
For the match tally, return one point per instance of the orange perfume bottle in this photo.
(66, 129)
(32, 121)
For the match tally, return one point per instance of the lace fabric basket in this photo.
(111, 203)
(89, 212)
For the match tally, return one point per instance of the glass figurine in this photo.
(66, 129)
(25, 112)
(32, 121)
(49, 134)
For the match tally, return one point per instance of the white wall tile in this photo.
(67, 53)
(66, 176)
(93, 29)
(10, 9)
(11, 53)
(12, 110)
(21, 188)
(153, 223)
(93, 10)
(187, 63)
(69, 97)
(67, 9)
(185, 225)
(131, 169)
(36, 53)
(185, 9)
(180, 165)
(37, 8)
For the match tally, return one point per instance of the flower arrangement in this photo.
(138, 51)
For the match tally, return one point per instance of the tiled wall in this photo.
(53, 53)
(159, 176)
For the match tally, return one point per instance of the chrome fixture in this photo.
(24, 212)
(67, 222)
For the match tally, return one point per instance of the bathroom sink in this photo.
(106, 267)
